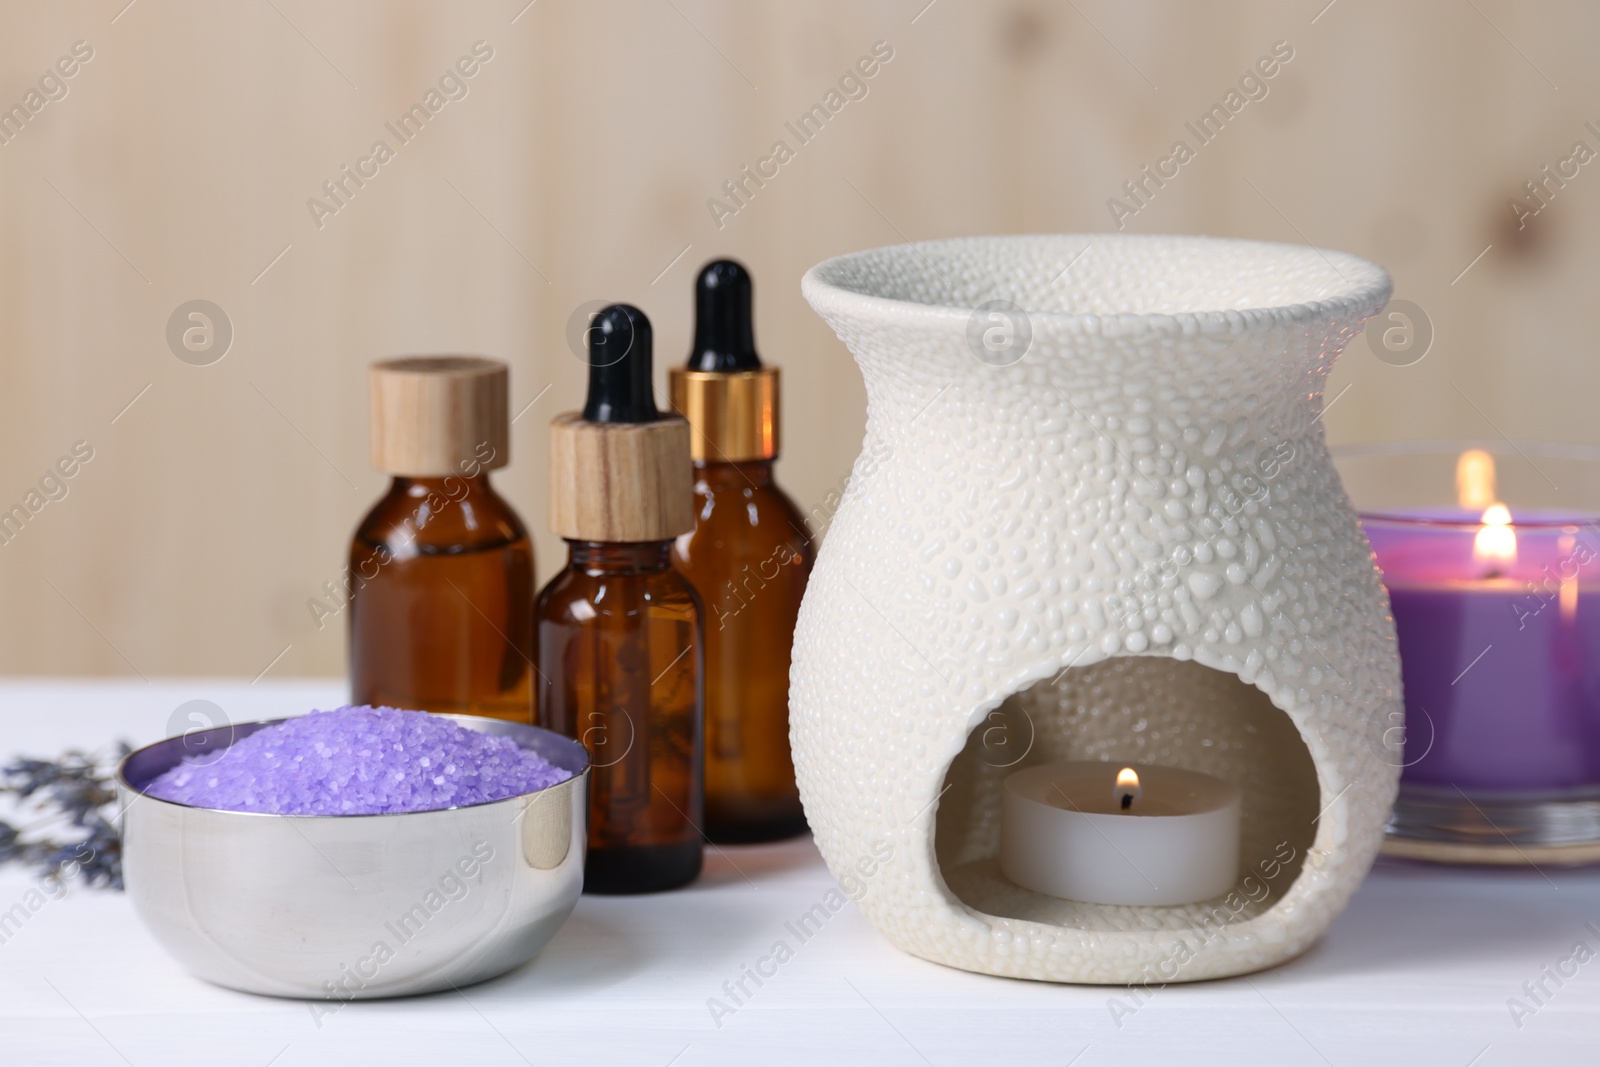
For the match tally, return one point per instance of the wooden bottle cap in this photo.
(432, 414)
(620, 481)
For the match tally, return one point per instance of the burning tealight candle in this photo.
(1106, 833)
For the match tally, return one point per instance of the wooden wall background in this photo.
(179, 163)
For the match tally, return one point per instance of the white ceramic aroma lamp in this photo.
(1102, 528)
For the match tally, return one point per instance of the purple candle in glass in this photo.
(1493, 651)
(1497, 614)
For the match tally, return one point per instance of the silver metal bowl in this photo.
(354, 906)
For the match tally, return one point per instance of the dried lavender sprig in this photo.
(77, 788)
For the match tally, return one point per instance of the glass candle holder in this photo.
(1490, 552)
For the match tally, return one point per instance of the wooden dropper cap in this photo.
(620, 470)
(439, 415)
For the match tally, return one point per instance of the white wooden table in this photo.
(1419, 970)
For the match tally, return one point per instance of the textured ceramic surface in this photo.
(1116, 535)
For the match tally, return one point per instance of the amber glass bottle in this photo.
(615, 627)
(441, 569)
(748, 557)
(619, 631)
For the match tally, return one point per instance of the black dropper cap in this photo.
(620, 389)
(723, 338)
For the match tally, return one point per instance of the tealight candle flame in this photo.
(1567, 600)
(1128, 788)
(1475, 479)
(1495, 542)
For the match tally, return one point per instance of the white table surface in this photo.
(1418, 970)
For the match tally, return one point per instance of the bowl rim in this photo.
(1367, 288)
(473, 722)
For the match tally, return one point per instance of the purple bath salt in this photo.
(358, 761)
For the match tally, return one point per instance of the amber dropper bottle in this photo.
(619, 632)
(441, 568)
(748, 556)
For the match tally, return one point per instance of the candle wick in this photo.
(1493, 573)
(1127, 801)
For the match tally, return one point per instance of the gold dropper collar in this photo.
(734, 414)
